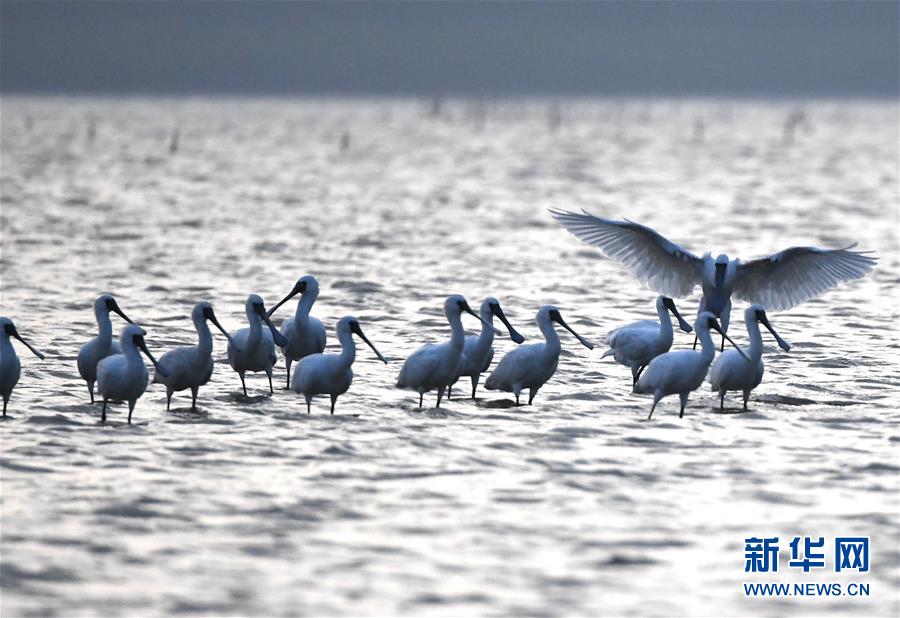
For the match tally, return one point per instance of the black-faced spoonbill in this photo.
(102, 345)
(779, 281)
(305, 335)
(730, 372)
(638, 343)
(10, 367)
(191, 367)
(253, 349)
(434, 365)
(123, 377)
(530, 366)
(682, 371)
(478, 350)
(330, 374)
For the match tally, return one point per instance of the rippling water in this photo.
(575, 505)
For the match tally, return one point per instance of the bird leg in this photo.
(684, 398)
(640, 371)
(531, 393)
(440, 396)
(449, 391)
(131, 409)
(474, 384)
(168, 398)
(90, 386)
(722, 349)
(269, 374)
(243, 383)
(103, 412)
(696, 338)
(287, 363)
(194, 390)
(746, 399)
(420, 399)
(722, 401)
(653, 407)
(5, 401)
(308, 404)
(333, 401)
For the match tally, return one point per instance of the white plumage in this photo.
(636, 344)
(191, 366)
(103, 344)
(530, 366)
(682, 371)
(253, 349)
(434, 365)
(731, 372)
(305, 335)
(478, 350)
(123, 377)
(331, 374)
(10, 366)
(779, 281)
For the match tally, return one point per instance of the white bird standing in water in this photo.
(730, 372)
(253, 349)
(123, 377)
(682, 371)
(434, 365)
(638, 343)
(305, 335)
(779, 281)
(478, 350)
(331, 374)
(530, 366)
(10, 367)
(191, 367)
(102, 345)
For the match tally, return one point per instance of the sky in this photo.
(801, 48)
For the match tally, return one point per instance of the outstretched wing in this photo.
(793, 276)
(653, 259)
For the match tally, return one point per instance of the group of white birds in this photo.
(777, 282)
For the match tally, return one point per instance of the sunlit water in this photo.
(576, 505)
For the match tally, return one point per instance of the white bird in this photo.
(330, 374)
(530, 366)
(10, 367)
(682, 371)
(434, 365)
(191, 367)
(305, 335)
(253, 349)
(123, 377)
(638, 343)
(102, 345)
(730, 372)
(478, 350)
(779, 281)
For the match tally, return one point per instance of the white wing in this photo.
(661, 264)
(795, 275)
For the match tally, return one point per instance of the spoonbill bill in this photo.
(331, 374)
(305, 334)
(478, 351)
(730, 372)
(434, 365)
(779, 281)
(530, 366)
(102, 345)
(682, 371)
(253, 349)
(191, 367)
(123, 377)
(10, 367)
(638, 343)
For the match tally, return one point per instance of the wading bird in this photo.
(730, 372)
(10, 367)
(305, 335)
(123, 377)
(638, 343)
(530, 366)
(331, 374)
(191, 367)
(434, 365)
(779, 281)
(478, 350)
(682, 371)
(102, 345)
(253, 349)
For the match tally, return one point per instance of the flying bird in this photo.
(779, 281)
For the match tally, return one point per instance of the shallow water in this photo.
(575, 505)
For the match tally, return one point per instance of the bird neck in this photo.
(486, 338)
(348, 347)
(130, 350)
(204, 336)
(105, 325)
(458, 333)
(304, 306)
(256, 326)
(756, 344)
(707, 347)
(6, 347)
(550, 335)
(665, 337)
